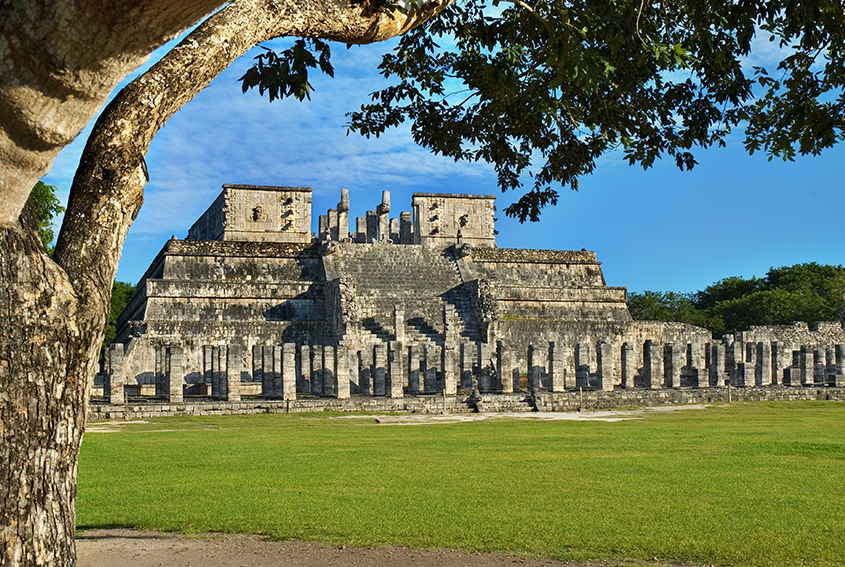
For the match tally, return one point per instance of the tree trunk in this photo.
(46, 356)
(59, 60)
(54, 312)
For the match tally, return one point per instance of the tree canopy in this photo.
(804, 292)
(542, 89)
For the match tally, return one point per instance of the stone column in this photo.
(566, 354)
(304, 369)
(380, 370)
(394, 230)
(396, 362)
(818, 367)
(557, 371)
(807, 364)
(830, 366)
(234, 369)
(551, 368)
(323, 227)
(372, 226)
(792, 373)
(333, 228)
(467, 350)
(628, 365)
(432, 358)
(777, 362)
(535, 371)
(486, 356)
(365, 370)
(269, 379)
(450, 369)
(698, 364)
(343, 356)
(383, 212)
(764, 363)
(329, 375)
(501, 373)
(317, 370)
(449, 331)
(160, 373)
(735, 356)
(414, 376)
(176, 375)
(652, 365)
(840, 366)
(117, 375)
(605, 365)
(582, 366)
(405, 234)
(399, 323)
(289, 371)
(671, 366)
(745, 368)
(276, 352)
(343, 215)
(718, 365)
(361, 230)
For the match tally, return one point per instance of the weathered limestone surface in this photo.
(254, 311)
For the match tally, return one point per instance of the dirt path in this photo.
(129, 548)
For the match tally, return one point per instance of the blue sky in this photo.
(659, 229)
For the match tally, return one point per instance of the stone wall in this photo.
(257, 214)
(465, 404)
(441, 219)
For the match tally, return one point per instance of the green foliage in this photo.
(804, 292)
(121, 293)
(286, 74)
(665, 306)
(721, 486)
(541, 90)
(47, 206)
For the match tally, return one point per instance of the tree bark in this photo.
(46, 356)
(59, 60)
(54, 311)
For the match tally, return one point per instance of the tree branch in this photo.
(59, 60)
(107, 191)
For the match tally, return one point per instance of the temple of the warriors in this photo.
(421, 304)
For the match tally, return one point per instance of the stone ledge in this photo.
(571, 400)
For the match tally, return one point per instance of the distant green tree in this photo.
(733, 287)
(658, 305)
(47, 206)
(808, 292)
(121, 293)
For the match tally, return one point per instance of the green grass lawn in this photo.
(747, 484)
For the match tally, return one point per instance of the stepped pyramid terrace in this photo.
(416, 311)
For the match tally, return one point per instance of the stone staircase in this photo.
(418, 279)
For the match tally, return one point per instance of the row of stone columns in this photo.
(394, 369)
(376, 225)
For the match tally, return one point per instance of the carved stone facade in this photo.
(251, 305)
(253, 213)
